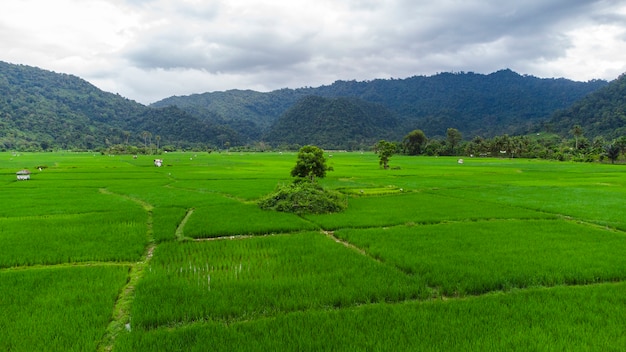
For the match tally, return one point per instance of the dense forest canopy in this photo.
(42, 110)
(602, 113)
(335, 123)
(476, 104)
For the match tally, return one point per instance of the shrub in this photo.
(304, 197)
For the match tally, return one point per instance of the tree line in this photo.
(539, 145)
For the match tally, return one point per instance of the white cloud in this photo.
(63, 35)
(594, 53)
(151, 49)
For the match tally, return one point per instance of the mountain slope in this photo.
(41, 109)
(333, 123)
(475, 104)
(602, 113)
(247, 112)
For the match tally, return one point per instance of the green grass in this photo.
(244, 279)
(45, 200)
(372, 191)
(556, 319)
(166, 221)
(599, 203)
(493, 254)
(478, 257)
(57, 309)
(107, 236)
(418, 208)
(241, 188)
(230, 218)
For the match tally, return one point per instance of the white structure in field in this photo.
(23, 175)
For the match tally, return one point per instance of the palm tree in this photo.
(612, 151)
(577, 131)
(126, 135)
(144, 134)
(453, 138)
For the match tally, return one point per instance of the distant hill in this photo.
(41, 109)
(475, 104)
(333, 123)
(249, 113)
(601, 113)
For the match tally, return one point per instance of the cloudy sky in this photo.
(147, 50)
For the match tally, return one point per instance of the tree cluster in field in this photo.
(305, 195)
(539, 145)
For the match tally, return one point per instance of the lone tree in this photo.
(311, 163)
(385, 150)
(453, 138)
(414, 142)
(304, 195)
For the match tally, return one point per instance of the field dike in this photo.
(120, 319)
(180, 230)
(331, 235)
(436, 292)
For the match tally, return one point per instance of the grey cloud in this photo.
(403, 29)
(523, 31)
(225, 44)
(220, 56)
(204, 11)
(215, 48)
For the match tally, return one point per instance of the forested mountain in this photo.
(334, 123)
(602, 113)
(249, 113)
(475, 104)
(41, 109)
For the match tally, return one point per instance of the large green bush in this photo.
(304, 197)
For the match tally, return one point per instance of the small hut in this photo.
(23, 175)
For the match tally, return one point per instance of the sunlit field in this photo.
(110, 253)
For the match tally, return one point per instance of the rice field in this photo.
(476, 257)
(243, 279)
(585, 318)
(109, 253)
(231, 218)
(59, 308)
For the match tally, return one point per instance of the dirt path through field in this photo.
(120, 319)
(331, 235)
(180, 230)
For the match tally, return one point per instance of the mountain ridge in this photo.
(41, 110)
(601, 113)
(335, 123)
(476, 104)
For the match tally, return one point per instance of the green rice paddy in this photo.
(109, 253)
